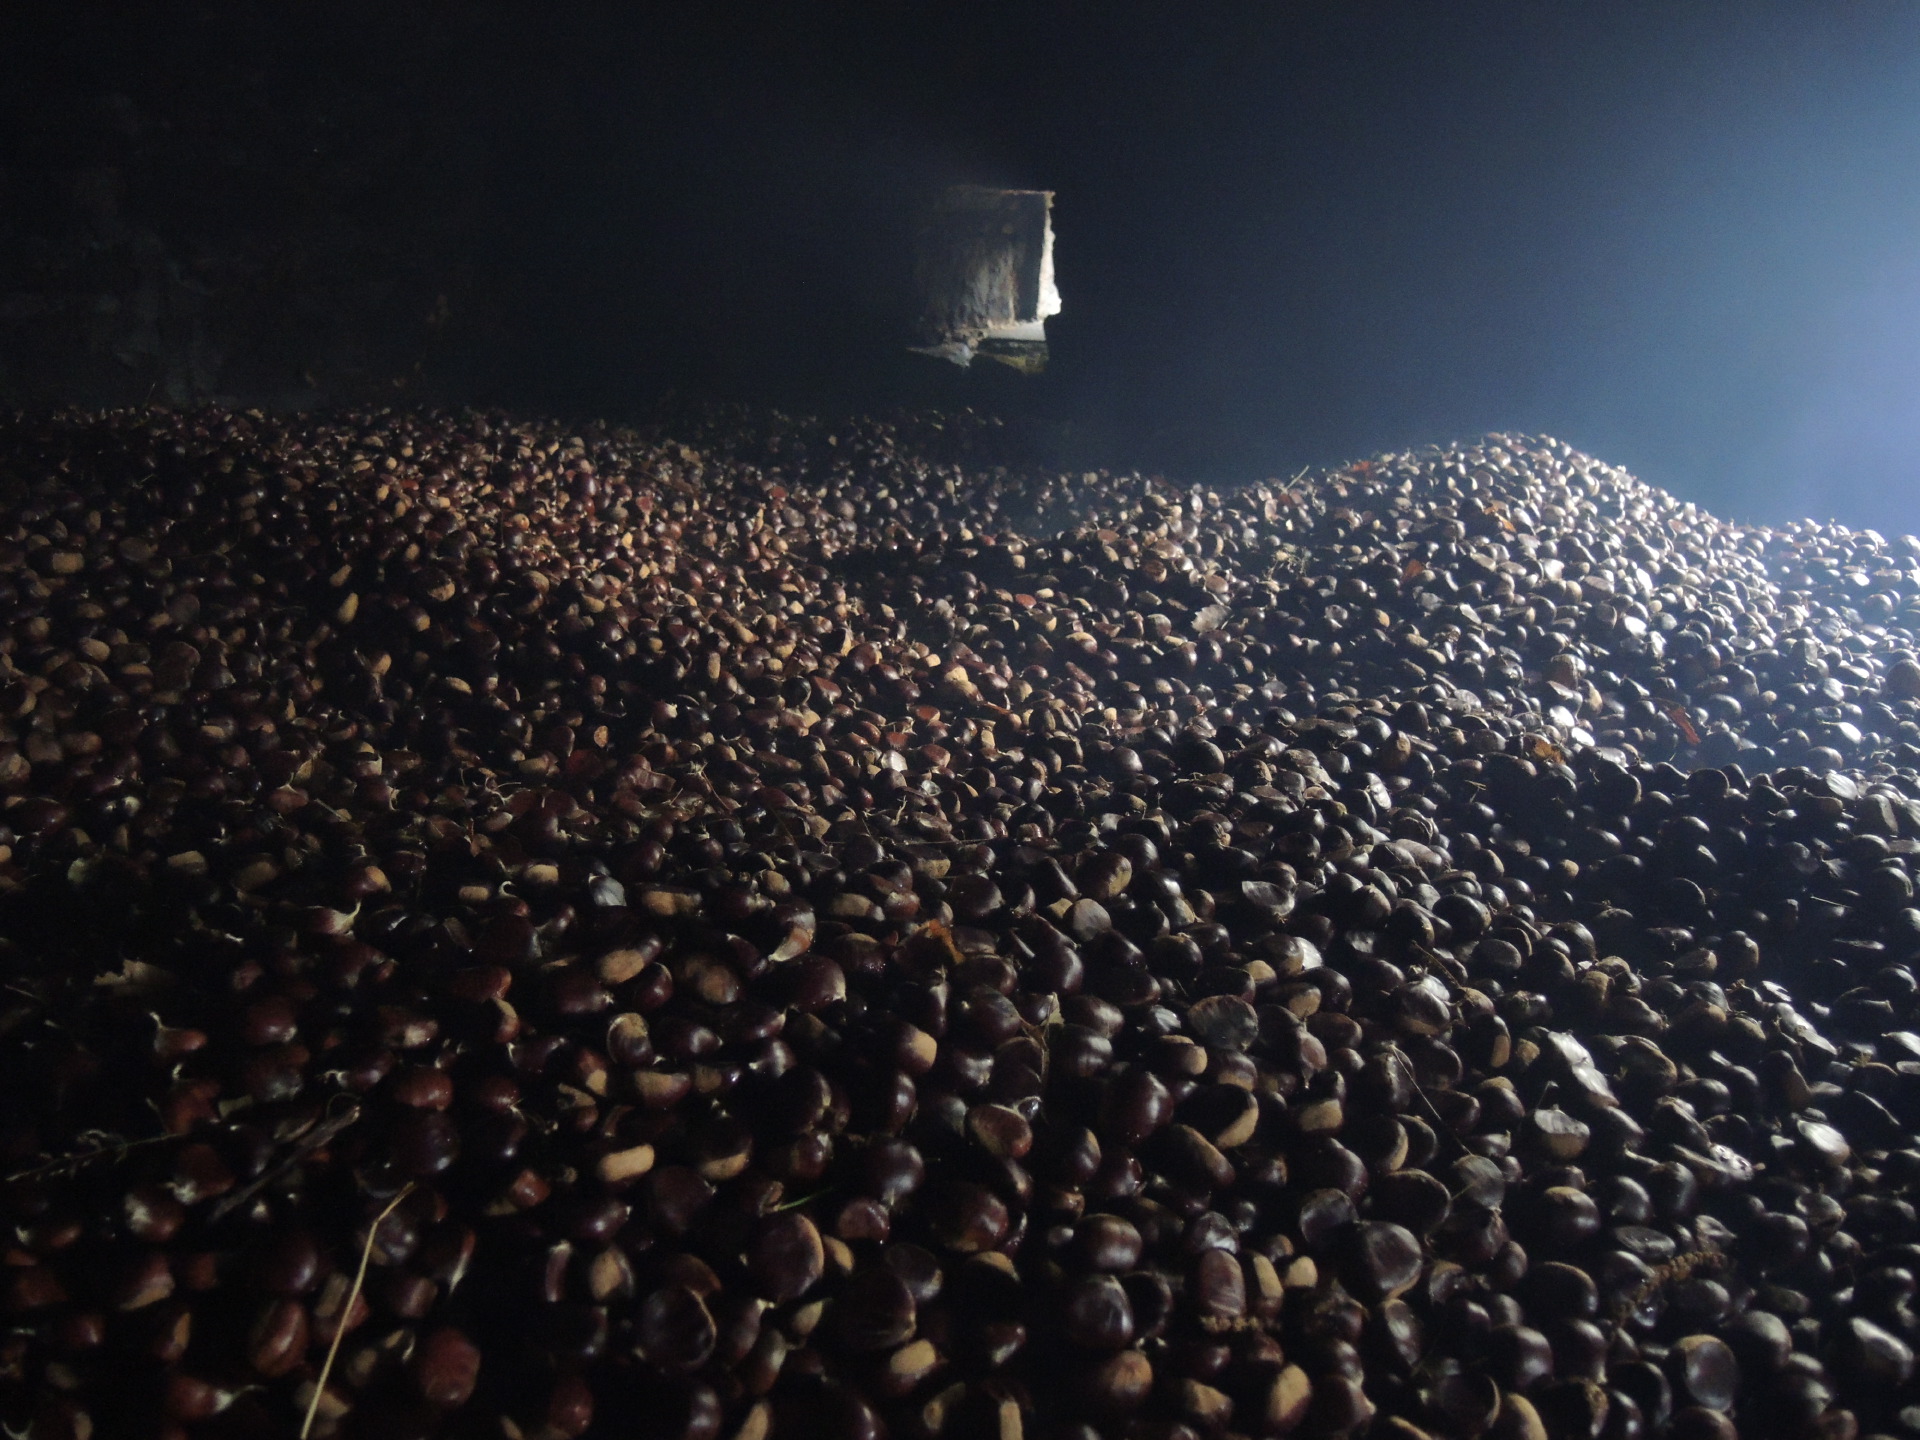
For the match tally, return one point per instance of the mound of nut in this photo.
(799, 930)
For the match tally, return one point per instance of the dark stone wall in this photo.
(208, 203)
(573, 207)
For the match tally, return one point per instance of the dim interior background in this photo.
(1684, 237)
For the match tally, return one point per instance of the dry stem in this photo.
(346, 1311)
